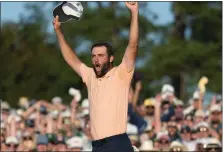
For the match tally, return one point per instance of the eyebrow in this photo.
(97, 54)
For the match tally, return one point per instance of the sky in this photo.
(12, 10)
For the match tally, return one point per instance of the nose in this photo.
(95, 59)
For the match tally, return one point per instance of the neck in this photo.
(110, 67)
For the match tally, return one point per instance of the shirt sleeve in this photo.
(85, 73)
(125, 75)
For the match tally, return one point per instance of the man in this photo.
(108, 111)
(186, 138)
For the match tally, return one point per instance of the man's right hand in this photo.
(56, 24)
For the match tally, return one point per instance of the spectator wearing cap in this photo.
(5, 109)
(147, 146)
(150, 133)
(24, 103)
(185, 133)
(178, 112)
(177, 146)
(12, 143)
(75, 144)
(136, 113)
(215, 116)
(132, 132)
(199, 116)
(60, 143)
(27, 136)
(194, 104)
(57, 100)
(167, 107)
(214, 146)
(173, 131)
(204, 133)
(52, 140)
(162, 142)
(41, 142)
(87, 137)
(188, 120)
(84, 115)
(149, 105)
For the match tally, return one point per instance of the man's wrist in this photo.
(134, 13)
(58, 31)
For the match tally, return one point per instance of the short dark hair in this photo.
(108, 46)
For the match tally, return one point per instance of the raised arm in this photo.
(131, 50)
(68, 54)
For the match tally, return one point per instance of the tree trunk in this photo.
(178, 34)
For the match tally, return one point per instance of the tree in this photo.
(186, 58)
(33, 64)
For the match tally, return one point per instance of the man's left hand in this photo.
(133, 6)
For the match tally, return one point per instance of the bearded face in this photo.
(101, 62)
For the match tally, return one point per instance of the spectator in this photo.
(177, 146)
(75, 144)
(158, 123)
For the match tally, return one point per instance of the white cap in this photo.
(5, 105)
(75, 142)
(146, 146)
(12, 140)
(204, 124)
(85, 103)
(57, 100)
(178, 102)
(32, 116)
(149, 127)
(199, 113)
(75, 93)
(167, 88)
(85, 112)
(54, 114)
(131, 129)
(215, 108)
(162, 134)
(196, 95)
(19, 112)
(16, 118)
(23, 102)
(178, 144)
(26, 134)
(66, 113)
(214, 141)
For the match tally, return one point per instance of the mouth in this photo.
(97, 67)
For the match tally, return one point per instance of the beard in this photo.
(104, 69)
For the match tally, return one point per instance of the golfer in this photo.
(107, 86)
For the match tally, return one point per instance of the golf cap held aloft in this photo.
(68, 10)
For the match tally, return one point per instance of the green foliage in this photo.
(32, 65)
(191, 58)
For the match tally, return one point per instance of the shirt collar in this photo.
(109, 73)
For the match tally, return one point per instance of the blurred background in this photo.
(179, 43)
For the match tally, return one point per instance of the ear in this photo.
(111, 59)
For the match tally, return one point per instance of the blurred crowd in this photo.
(159, 123)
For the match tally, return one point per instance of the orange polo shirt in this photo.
(108, 100)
